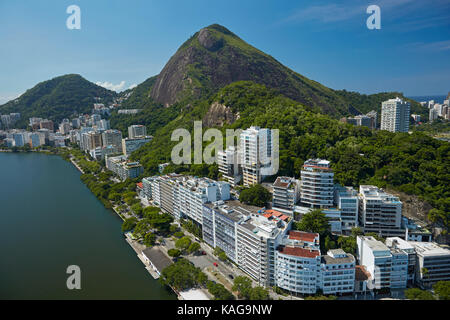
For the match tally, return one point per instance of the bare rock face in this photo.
(218, 115)
(209, 41)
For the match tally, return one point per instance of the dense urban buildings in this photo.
(317, 184)
(286, 193)
(124, 168)
(229, 165)
(395, 115)
(256, 147)
(135, 131)
(132, 144)
(380, 212)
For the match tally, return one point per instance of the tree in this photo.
(195, 246)
(259, 293)
(220, 254)
(219, 291)
(149, 239)
(314, 221)
(202, 278)
(178, 234)
(442, 289)
(183, 243)
(129, 224)
(418, 294)
(181, 275)
(142, 227)
(137, 209)
(174, 252)
(356, 231)
(243, 286)
(256, 195)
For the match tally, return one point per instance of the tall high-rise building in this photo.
(112, 138)
(395, 115)
(380, 212)
(47, 124)
(316, 186)
(229, 166)
(256, 154)
(286, 193)
(137, 130)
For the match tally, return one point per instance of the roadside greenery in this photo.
(255, 195)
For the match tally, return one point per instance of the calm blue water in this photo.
(51, 220)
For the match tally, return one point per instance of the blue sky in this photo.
(122, 43)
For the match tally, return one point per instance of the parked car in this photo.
(203, 253)
(230, 276)
(215, 264)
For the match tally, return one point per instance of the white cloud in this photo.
(134, 85)
(111, 86)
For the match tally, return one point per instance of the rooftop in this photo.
(374, 244)
(429, 249)
(158, 259)
(302, 236)
(299, 252)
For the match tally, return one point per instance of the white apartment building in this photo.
(256, 147)
(184, 196)
(132, 144)
(301, 269)
(194, 192)
(112, 138)
(377, 259)
(395, 115)
(229, 166)
(286, 193)
(408, 249)
(123, 168)
(316, 186)
(346, 199)
(379, 212)
(136, 130)
(337, 272)
(432, 263)
(248, 236)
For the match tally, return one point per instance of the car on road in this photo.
(215, 264)
(230, 276)
(203, 253)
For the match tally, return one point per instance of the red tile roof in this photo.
(283, 217)
(302, 236)
(299, 252)
(140, 185)
(267, 215)
(274, 212)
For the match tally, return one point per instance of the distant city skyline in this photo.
(122, 43)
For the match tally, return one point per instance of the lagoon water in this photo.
(50, 220)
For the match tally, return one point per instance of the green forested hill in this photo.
(58, 98)
(416, 164)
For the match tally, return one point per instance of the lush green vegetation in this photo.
(412, 163)
(243, 285)
(255, 195)
(418, 294)
(220, 254)
(58, 98)
(442, 290)
(181, 275)
(219, 291)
